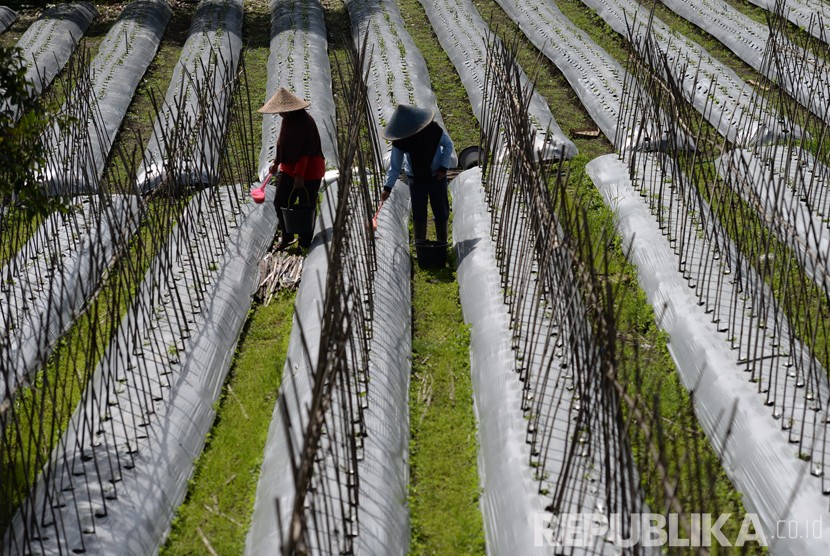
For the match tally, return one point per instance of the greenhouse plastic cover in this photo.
(754, 451)
(384, 522)
(733, 106)
(461, 32)
(138, 519)
(53, 275)
(299, 61)
(123, 58)
(214, 42)
(397, 70)
(7, 18)
(49, 42)
(748, 39)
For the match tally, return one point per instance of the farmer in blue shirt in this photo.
(423, 149)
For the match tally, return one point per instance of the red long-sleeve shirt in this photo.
(299, 152)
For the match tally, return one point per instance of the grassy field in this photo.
(220, 497)
(444, 485)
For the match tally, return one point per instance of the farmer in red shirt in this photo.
(299, 162)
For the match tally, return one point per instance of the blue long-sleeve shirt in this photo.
(399, 158)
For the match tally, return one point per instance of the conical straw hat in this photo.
(283, 101)
(406, 121)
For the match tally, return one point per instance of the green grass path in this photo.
(220, 499)
(444, 486)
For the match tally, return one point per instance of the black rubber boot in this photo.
(285, 242)
(441, 231)
(420, 230)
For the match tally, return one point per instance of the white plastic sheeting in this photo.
(593, 74)
(803, 13)
(51, 278)
(129, 512)
(384, 470)
(117, 69)
(782, 186)
(515, 517)
(748, 39)
(755, 452)
(397, 70)
(384, 522)
(210, 56)
(49, 42)
(276, 481)
(299, 61)
(7, 18)
(510, 502)
(461, 32)
(716, 91)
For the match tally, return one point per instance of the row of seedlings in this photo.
(196, 133)
(461, 32)
(45, 49)
(116, 71)
(748, 39)
(48, 282)
(397, 71)
(120, 469)
(595, 76)
(803, 14)
(758, 390)
(592, 73)
(212, 49)
(298, 61)
(788, 182)
(7, 18)
(726, 101)
(49, 42)
(553, 442)
(747, 121)
(342, 403)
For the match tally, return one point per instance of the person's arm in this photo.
(395, 162)
(443, 156)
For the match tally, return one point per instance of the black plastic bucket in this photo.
(431, 254)
(299, 217)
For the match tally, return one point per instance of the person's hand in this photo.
(274, 168)
(385, 194)
(299, 182)
(440, 174)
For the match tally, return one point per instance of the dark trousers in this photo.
(434, 191)
(285, 184)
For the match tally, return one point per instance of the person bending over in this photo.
(422, 149)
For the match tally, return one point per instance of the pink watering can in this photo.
(258, 193)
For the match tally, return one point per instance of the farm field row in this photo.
(777, 315)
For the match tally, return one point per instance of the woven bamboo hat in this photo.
(406, 121)
(283, 101)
